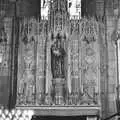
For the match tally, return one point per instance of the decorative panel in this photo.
(36, 83)
(26, 63)
(85, 61)
(31, 60)
(90, 62)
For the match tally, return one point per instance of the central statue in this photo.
(57, 58)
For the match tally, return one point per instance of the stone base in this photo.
(59, 100)
(58, 81)
(58, 90)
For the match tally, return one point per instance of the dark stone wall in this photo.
(28, 7)
(88, 8)
(24, 8)
(4, 90)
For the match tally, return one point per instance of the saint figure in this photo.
(57, 59)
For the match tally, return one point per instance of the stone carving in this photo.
(27, 84)
(44, 66)
(26, 90)
(90, 74)
(58, 53)
(58, 69)
(57, 61)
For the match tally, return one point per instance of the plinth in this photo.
(58, 89)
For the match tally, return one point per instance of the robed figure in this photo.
(57, 59)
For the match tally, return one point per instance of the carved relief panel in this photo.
(90, 62)
(85, 61)
(26, 63)
(60, 66)
(80, 83)
(81, 64)
(31, 60)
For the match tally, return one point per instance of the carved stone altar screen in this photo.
(59, 60)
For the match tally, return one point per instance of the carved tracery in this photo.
(60, 66)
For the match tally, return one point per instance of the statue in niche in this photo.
(57, 58)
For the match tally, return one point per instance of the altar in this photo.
(59, 117)
(64, 112)
(93, 111)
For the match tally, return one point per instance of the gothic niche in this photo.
(58, 54)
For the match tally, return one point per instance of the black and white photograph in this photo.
(59, 59)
